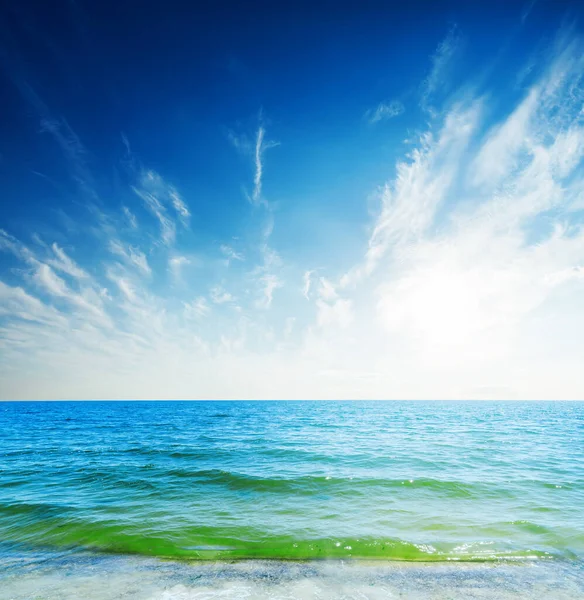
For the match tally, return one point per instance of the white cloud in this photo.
(180, 206)
(257, 180)
(125, 287)
(528, 7)
(176, 263)
(409, 203)
(441, 62)
(46, 279)
(384, 111)
(16, 302)
(470, 283)
(131, 256)
(464, 297)
(261, 145)
(499, 154)
(230, 253)
(198, 308)
(239, 142)
(65, 264)
(270, 284)
(131, 217)
(9, 243)
(326, 290)
(264, 275)
(158, 197)
(564, 275)
(306, 284)
(256, 151)
(167, 227)
(337, 313)
(220, 296)
(289, 326)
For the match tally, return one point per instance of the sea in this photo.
(177, 500)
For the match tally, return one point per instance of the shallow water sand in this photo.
(155, 501)
(89, 576)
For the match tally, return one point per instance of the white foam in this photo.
(300, 590)
(135, 578)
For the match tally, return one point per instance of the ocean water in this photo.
(190, 496)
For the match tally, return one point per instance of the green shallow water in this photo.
(418, 481)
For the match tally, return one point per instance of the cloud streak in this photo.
(230, 254)
(261, 145)
(441, 62)
(159, 198)
(132, 256)
(384, 111)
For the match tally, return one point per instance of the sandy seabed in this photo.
(90, 576)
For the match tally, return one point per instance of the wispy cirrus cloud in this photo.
(176, 264)
(240, 142)
(230, 254)
(219, 295)
(528, 7)
(264, 275)
(270, 283)
(18, 304)
(470, 281)
(479, 281)
(410, 202)
(255, 150)
(162, 199)
(87, 302)
(441, 62)
(40, 271)
(132, 256)
(261, 145)
(131, 217)
(307, 283)
(384, 111)
(64, 263)
(197, 309)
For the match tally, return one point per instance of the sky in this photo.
(324, 200)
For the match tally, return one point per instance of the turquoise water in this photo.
(415, 481)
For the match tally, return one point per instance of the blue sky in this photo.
(293, 200)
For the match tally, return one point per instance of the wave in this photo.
(110, 538)
(165, 479)
(318, 484)
(63, 527)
